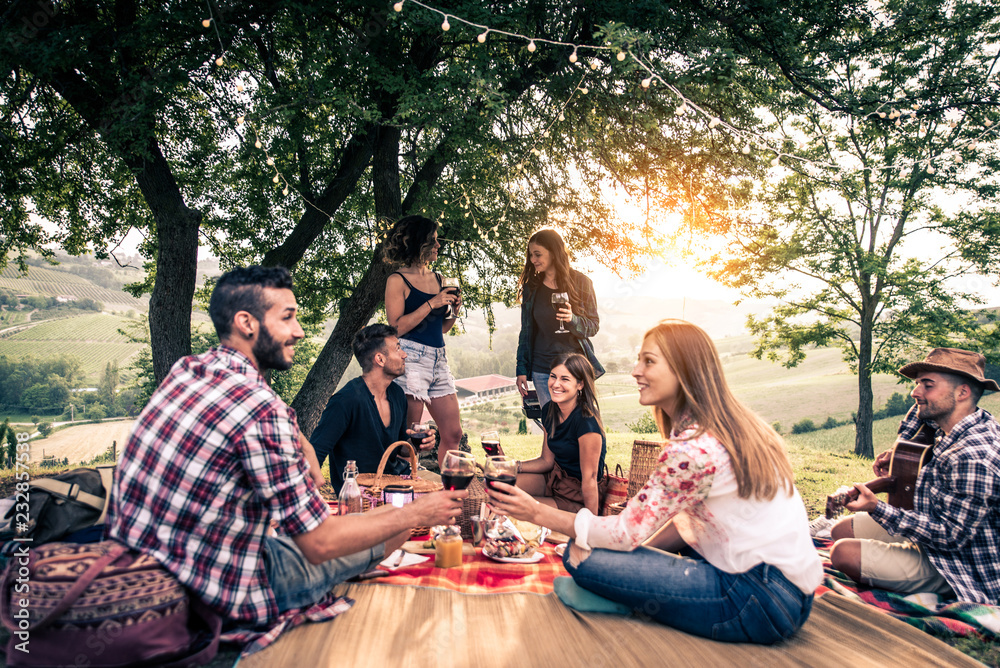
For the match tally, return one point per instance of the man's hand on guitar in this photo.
(881, 465)
(866, 501)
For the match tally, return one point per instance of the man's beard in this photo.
(270, 353)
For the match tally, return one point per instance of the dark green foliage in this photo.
(804, 426)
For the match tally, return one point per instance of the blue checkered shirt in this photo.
(956, 506)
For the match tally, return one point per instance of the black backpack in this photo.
(60, 505)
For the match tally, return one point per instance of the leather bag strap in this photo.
(72, 492)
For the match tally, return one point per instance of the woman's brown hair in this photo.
(758, 453)
(408, 242)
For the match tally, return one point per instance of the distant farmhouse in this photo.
(483, 388)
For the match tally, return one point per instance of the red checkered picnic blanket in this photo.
(482, 575)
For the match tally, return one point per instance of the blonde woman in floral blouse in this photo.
(736, 562)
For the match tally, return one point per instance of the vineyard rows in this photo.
(93, 356)
(41, 274)
(81, 289)
(92, 327)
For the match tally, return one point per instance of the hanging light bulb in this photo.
(270, 160)
(572, 56)
(775, 162)
(987, 122)
(681, 110)
(239, 120)
(562, 116)
(285, 191)
(275, 179)
(531, 46)
(207, 23)
(398, 6)
(714, 123)
(620, 56)
(746, 149)
(446, 26)
(646, 82)
(593, 65)
(239, 88)
(584, 90)
(218, 61)
(930, 169)
(481, 38)
(881, 114)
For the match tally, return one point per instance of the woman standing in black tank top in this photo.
(417, 307)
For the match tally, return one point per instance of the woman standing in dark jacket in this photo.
(547, 270)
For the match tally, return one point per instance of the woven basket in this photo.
(645, 454)
(473, 505)
(372, 484)
(615, 508)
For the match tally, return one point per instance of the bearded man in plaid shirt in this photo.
(216, 455)
(949, 543)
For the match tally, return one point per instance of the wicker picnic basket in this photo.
(645, 454)
(372, 484)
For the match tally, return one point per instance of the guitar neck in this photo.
(883, 484)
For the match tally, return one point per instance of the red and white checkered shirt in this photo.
(213, 457)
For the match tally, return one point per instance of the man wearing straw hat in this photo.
(949, 543)
(216, 455)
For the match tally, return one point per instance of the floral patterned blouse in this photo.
(695, 486)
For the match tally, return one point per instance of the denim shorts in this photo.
(296, 583)
(427, 374)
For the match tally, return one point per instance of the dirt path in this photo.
(82, 443)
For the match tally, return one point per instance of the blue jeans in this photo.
(541, 381)
(688, 593)
(296, 583)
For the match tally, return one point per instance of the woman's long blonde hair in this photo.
(758, 454)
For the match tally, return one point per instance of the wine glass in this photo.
(491, 443)
(501, 469)
(421, 430)
(450, 283)
(559, 298)
(458, 470)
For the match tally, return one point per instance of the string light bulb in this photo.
(881, 114)
(746, 149)
(714, 123)
(270, 160)
(285, 191)
(239, 120)
(531, 46)
(239, 88)
(275, 179)
(930, 169)
(481, 38)
(584, 90)
(218, 61)
(987, 122)
(257, 144)
(207, 23)
(446, 26)
(646, 82)
(776, 161)
(681, 110)
(620, 56)
(398, 7)
(572, 56)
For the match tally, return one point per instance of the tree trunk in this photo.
(863, 425)
(323, 377)
(176, 261)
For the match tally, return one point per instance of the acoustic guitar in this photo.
(908, 456)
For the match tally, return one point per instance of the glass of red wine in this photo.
(501, 469)
(421, 430)
(491, 443)
(451, 284)
(558, 299)
(458, 470)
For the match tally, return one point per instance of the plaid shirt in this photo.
(956, 506)
(212, 458)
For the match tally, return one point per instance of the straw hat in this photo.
(953, 360)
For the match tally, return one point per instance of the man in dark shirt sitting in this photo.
(368, 414)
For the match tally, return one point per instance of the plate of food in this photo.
(530, 558)
(513, 541)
